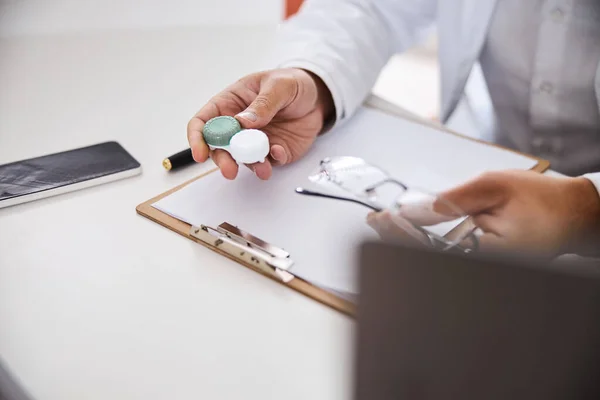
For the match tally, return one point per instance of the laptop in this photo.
(433, 325)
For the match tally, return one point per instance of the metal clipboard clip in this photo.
(248, 248)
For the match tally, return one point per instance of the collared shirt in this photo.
(540, 62)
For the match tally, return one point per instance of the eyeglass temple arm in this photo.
(330, 196)
(389, 180)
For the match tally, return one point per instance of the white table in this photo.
(97, 302)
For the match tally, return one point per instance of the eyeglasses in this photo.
(354, 180)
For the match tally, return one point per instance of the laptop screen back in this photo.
(441, 326)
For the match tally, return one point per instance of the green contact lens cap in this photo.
(218, 131)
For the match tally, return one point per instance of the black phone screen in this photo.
(34, 175)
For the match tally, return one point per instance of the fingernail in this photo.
(278, 154)
(194, 141)
(275, 155)
(250, 116)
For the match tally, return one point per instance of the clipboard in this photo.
(266, 258)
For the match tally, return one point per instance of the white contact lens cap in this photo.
(249, 146)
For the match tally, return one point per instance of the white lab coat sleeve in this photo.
(595, 179)
(348, 42)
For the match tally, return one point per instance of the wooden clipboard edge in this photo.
(145, 209)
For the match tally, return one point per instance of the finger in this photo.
(379, 221)
(262, 170)
(279, 154)
(393, 228)
(489, 223)
(384, 228)
(200, 151)
(476, 196)
(274, 95)
(226, 164)
(371, 218)
(376, 220)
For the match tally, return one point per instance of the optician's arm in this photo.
(326, 59)
(518, 210)
(347, 42)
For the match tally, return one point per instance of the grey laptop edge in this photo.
(434, 325)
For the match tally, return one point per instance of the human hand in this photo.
(530, 212)
(525, 211)
(394, 228)
(290, 105)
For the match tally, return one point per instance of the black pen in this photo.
(178, 160)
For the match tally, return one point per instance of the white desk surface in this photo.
(97, 302)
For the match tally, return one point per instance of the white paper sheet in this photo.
(323, 235)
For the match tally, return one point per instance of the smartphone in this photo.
(50, 175)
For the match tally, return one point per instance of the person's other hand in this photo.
(517, 211)
(289, 105)
(530, 212)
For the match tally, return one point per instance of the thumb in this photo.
(274, 95)
(476, 196)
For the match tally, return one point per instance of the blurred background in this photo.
(410, 80)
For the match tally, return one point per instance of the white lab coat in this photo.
(348, 42)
